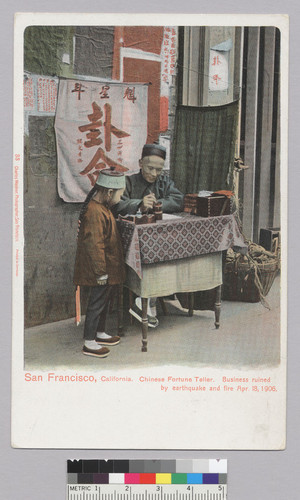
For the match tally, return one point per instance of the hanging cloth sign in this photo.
(97, 125)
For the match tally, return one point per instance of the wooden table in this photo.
(151, 270)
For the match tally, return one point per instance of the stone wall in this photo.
(50, 225)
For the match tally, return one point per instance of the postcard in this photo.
(150, 231)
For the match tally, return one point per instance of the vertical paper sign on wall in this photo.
(28, 93)
(40, 96)
(168, 55)
(219, 66)
(46, 94)
(97, 125)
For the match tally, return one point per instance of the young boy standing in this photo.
(99, 259)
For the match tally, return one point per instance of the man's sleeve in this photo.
(94, 242)
(127, 205)
(173, 198)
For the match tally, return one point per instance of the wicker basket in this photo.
(247, 280)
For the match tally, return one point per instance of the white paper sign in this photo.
(218, 70)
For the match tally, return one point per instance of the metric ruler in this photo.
(147, 480)
(147, 492)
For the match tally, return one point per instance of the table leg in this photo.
(191, 303)
(120, 310)
(144, 324)
(218, 306)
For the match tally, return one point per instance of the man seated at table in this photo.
(144, 189)
(150, 185)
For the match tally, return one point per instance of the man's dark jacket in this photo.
(137, 187)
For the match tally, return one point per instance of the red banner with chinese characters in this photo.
(97, 125)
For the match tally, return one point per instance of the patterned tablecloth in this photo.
(178, 238)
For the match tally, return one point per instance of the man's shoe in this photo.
(137, 313)
(109, 340)
(98, 353)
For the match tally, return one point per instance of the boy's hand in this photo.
(102, 280)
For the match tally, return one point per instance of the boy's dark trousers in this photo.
(96, 311)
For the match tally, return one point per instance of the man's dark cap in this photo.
(154, 149)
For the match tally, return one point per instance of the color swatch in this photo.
(160, 472)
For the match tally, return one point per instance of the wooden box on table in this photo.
(207, 206)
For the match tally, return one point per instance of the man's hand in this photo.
(148, 202)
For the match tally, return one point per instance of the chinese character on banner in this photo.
(111, 129)
(104, 92)
(218, 70)
(80, 148)
(119, 150)
(93, 128)
(129, 94)
(216, 61)
(100, 159)
(78, 88)
(216, 79)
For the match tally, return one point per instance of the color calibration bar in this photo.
(147, 479)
